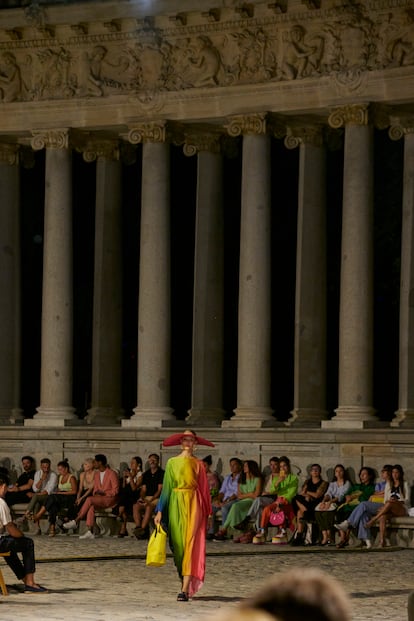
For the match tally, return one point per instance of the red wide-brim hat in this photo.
(176, 439)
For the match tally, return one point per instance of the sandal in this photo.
(182, 597)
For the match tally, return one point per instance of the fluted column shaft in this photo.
(106, 398)
(207, 361)
(57, 300)
(254, 323)
(356, 299)
(309, 405)
(10, 412)
(154, 307)
(405, 413)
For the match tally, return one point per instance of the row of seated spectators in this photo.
(250, 503)
(66, 499)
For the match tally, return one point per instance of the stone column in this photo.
(309, 406)
(106, 397)
(355, 389)
(10, 412)
(208, 345)
(253, 368)
(55, 407)
(154, 307)
(405, 414)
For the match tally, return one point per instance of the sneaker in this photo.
(259, 538)
(278, 540)
(87, 535)
(342, 525)
(280, 534)
(70, 524)
(368, 543)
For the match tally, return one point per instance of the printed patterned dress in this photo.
(185, 505)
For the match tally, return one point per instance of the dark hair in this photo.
(316, 466)
(275, 459)
(253, 470)
(286, 460)
(45, 460)
(370, 471)
(208, 460)
(138, 460)
(29, 458)
(400, 470)
(64, 464)
(154, 455)
(388, 469)
(4, 479)
(346, 477)
(101, 458)
(239, 461)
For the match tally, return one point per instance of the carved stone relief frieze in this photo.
(343, 43)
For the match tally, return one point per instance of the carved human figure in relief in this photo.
(10, 78)
(53, 78)
(194, 63)
(300, 58)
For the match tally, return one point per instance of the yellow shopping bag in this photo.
(157, 547)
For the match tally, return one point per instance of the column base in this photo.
(251, 418)
(205, 417)
(404, 417)
(352, 417)
(53, 417)
(11, 416)
(306, 417)
(149, 418)
(104, 416)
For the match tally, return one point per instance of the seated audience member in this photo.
(286, 489)
(301, 594)
(304, 503)
(104, 496)
(150, 492)
(249, 488)
(22, 491)
(396, 502)
(227, 494)
(45, 483)
(63, 498)
(266, 498)
(213, 478)
(363, 512)
(326, 509)
(86, 481)
(13, 540)
(129, 492)
(357, 493)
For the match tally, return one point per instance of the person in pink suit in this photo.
(104, 496)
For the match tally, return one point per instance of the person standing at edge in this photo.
(184, 508)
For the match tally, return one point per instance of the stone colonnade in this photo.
(253, 408)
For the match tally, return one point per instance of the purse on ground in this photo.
(157, 547)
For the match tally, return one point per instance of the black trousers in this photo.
(24, 546)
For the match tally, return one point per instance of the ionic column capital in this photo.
(155, 131)
(50, 139)
(95, 149)
(9, 154)
(400, 126)
(353, 114)
(303, 134)
(247, 124)
(196, 141)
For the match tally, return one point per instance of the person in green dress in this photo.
(250, 487)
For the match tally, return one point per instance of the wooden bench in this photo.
(2, 583)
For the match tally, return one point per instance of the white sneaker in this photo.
(87, 535)
(70, 524)
(342, 525)
(368, 543)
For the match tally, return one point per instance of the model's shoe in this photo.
(182, 597)
(220, 536)
(368, 543)
(87, 535)
(52, 530)
(70, 524)
(259, 538)
(342, 525)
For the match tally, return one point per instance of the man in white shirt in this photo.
(13, 540)
(45, 483)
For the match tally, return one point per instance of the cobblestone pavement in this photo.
(106, 579)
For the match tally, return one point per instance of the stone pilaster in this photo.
(254, 359)
(309, 405)
(106, 397)
(404, 416)
(208, 328)
(154, 308)
(355, 390)
(10, 412)
(55, 407)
